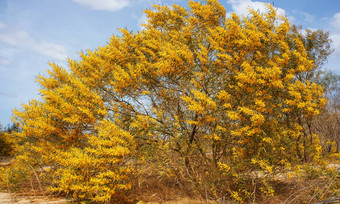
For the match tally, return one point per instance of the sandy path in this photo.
(12, 199)
(5, 198)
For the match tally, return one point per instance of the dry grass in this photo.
(152, 189)
(287, 191)
(155, 191)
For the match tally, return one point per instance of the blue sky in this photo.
(35, 32)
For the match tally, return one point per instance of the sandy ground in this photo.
(14, 199)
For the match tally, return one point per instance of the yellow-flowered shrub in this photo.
(216, 102)
(99, 172)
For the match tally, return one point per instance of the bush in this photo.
(216, 103)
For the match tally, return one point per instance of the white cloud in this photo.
(21, 39)
(335, 35)
(336, 21)
(107, 5)
(336, 41)
(241, 6)
(51, 50)
(142, 20)
(308, 17)
(336, 44)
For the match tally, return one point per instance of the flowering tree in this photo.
(198, 91)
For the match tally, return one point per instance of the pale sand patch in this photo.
(13, 199)
(5, 198)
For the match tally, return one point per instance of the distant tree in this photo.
(331, 83)
(6, 145)
(327, 124)
(12, 128)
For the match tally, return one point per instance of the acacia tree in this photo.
(196, 90)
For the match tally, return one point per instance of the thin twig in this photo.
(8, 189)
(254, 191)
(335, 200)
(286, 201)
(327, 186)
(37, 177)
(315, 192)
(31, 182)
(206, 194)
